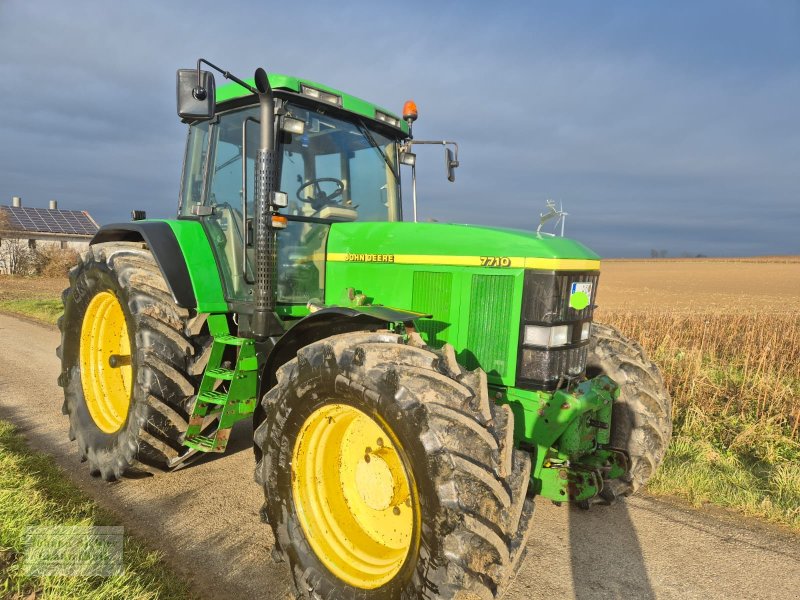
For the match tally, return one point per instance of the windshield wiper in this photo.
(366, 133)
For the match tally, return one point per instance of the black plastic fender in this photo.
(326, 322)
(323, 323)
(162, 242)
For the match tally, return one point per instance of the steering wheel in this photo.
(320, 198)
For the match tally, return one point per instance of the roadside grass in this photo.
(38, 298)
(761, 480)
(735, 385)
(44, 310)
(34, 492)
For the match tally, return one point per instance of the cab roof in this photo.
(232, 91)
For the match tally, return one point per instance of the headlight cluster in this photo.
(556, 327)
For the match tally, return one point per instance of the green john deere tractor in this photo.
(412, 386)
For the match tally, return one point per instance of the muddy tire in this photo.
(473, 516)
(641, 422)
(163, 373)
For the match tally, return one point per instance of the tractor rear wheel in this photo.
(389, 473)
(127, 360)
(641, 423)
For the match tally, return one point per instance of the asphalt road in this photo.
(205, 517)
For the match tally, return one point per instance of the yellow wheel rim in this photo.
(105, 341)
(354, 497)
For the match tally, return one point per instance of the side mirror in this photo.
(451, 163)
(196, 94)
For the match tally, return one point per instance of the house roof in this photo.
(52, 221)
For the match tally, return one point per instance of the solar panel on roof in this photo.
(44, 220)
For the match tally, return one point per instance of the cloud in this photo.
(643, 120)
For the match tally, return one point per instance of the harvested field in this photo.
(35, 297)
(14, 287)
(741, 286)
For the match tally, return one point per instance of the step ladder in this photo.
(227, 393)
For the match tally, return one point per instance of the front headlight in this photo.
(537, 335)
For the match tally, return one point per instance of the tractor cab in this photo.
(334, 165)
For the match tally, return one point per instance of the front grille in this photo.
(490, 329)
(546, 302)
(483, 334)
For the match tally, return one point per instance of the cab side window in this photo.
(194, 167)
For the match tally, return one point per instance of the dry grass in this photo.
(730, 365)
(735, 384)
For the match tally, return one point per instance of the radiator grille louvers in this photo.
(489, 328)
(432, 294)
(490, 323)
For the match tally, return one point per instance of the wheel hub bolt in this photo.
(115, 361)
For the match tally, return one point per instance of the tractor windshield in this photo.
(337, 170)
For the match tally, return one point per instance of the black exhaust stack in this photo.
(264, 323)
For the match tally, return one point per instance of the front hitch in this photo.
(568, 434)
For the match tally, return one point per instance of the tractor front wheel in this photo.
(389, 473)
(126, 361)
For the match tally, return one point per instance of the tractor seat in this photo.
(337, 213)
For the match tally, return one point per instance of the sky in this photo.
(658, 125)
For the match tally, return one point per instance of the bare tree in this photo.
(15, 255)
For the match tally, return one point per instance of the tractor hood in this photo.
(456, 245)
